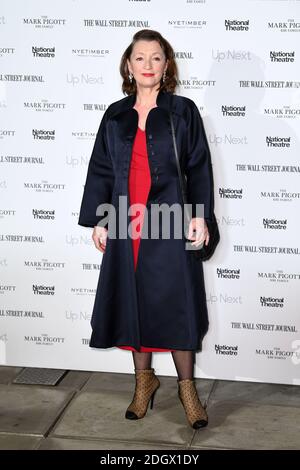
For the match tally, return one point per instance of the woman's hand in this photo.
(202, 235)
(99, 237)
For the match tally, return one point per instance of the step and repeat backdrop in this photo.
(239, 61)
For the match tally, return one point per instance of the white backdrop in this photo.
(59, 70)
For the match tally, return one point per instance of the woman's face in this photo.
(147, 63)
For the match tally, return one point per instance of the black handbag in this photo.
(206, 251)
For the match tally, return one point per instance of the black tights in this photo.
(183, 361)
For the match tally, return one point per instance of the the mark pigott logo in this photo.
(281, 195)
(284, 26)
(278, 276)
(44, 340)
(277, 353)
(44, 22)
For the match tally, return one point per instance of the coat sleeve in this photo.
(99, 180)
(198, 166)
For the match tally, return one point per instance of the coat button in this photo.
(149, 136)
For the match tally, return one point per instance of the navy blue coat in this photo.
(163, 303)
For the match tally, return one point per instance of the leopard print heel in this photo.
(194, 410)
(146, 386)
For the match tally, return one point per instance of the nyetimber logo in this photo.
(226, 350)
(275, 224)
(230, 193)
(187, 23)
(91, 52)
(283, 142)
(272, 301)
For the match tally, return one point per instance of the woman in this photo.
(150, 294)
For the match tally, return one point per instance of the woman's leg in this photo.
(187, 391)
(142, 360)
(184, 363)
(146, 384)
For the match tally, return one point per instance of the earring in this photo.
(130, 77)
(164, 76)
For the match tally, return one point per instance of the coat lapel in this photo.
(127, 117)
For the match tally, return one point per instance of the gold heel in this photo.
(194, 410)
(146, 386)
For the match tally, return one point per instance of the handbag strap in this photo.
(181, 180)
(182, 185)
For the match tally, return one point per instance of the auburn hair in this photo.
(171, 80)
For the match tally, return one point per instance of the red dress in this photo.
(139, 187)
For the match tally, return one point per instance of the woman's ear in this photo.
(128, 66)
